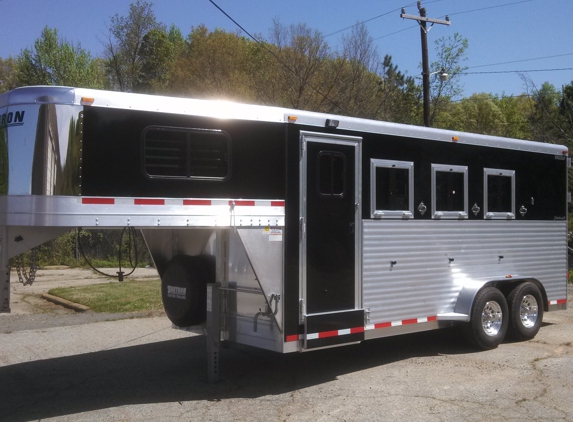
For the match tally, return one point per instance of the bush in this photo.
(101, 248)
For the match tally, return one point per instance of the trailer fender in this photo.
(466, 297)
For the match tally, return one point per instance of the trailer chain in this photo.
(27, 277)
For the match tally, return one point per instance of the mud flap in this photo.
(333, 328)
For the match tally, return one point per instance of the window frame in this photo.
(498, 215)
(458, 214)
(391, 164)
(187, 131)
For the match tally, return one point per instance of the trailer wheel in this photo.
(489, 319)
(525, 311)
(184, 290)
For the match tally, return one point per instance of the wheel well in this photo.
(468, 293)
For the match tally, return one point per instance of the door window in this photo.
(331, 174)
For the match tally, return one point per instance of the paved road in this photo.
(141, 369)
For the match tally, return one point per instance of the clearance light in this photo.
(87, 101)
(291, 119)
(565, 152)
(332, 123)
(455, 138)
(509, 276)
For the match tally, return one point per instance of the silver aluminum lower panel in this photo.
(416, 269)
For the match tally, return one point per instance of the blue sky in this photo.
(504, 35)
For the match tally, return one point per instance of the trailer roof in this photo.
(231, 110)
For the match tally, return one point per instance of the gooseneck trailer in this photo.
(291, 230)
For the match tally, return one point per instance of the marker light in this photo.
(87, 101)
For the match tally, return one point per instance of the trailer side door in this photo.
(330, 236)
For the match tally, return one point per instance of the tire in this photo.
(488, 320)
(525, 311)
(184, 290)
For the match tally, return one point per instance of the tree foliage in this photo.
(451, 52)
(551, 114)
(125, 57)
(53, 61)
(8, 74)
(293, 67)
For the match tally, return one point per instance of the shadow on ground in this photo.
(173, 371)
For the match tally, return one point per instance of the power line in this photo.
(516, 71)
(397, 32)
(278, 58)
(378, 16)
(490, 7)
(522, 60)
(457, 13)
(235, 22)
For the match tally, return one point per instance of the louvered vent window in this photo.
(186, 153)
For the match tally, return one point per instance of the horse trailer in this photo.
(291, 230)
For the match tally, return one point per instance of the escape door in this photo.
(330, 217)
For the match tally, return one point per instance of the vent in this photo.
(186, 153)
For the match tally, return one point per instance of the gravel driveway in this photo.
(57, 365)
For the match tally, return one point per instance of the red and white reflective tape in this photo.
(346, 331)
(401, 322)
(180, 202)
(557, 302)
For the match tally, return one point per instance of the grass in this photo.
(127, 296)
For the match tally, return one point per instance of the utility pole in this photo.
(422, 20)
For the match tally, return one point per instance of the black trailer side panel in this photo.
(535, 173)
(112, 157)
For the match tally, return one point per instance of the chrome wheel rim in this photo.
(491, 318)
(528, 311)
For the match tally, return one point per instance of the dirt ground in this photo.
(61, 366)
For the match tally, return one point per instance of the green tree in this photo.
(303, 54)
(545, 117)
(123, 47)
(214, 65)
(516, 112)
(477, 114)
(400, 96)
(8, 74)
(566, 111)
(53, 61)
(355, 75)
(451, 52)
(156, 56)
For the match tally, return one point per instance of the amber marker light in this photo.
(87, 101)
(455, 138)
(292, 119)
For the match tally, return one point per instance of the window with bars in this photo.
(392, 185)
(499, 194)
(449, 191)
